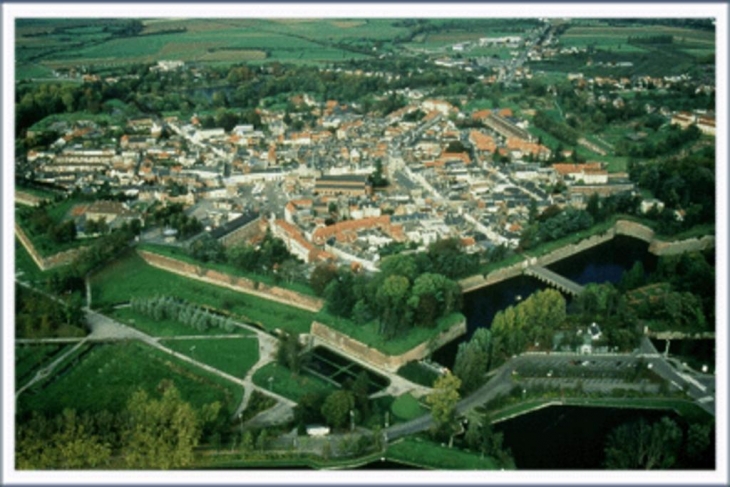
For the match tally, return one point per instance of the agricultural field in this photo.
(234, 356)
(131, 276)
(105, 376)
(106, 43)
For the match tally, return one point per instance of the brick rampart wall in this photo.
(240, 284)
(323, 334)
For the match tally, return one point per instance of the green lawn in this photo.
(420, 374)
(179, 254)
(234, 356)
(407, 407)
(368, 333)
(107, 375)
(30, 357)
(24, 263)
(166, 328)
(287, 384)
(427, 454)
(131, 276)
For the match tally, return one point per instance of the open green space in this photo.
(205, 40)
(284, 382)
(166, 327)
(369, 333)
(407, 407)
(234, 356)
(131, 276)
(57, 213)
(24, 263)
(182, 255)
(427, 454)
(418, 373)
(30, 357)
(105, 376)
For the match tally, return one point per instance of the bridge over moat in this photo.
(554, 279)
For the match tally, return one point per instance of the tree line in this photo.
(410, 289)
(169, 308)
(159, 431)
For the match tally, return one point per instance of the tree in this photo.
(72, 444)
(444, 398)
(336, 408)
(161, 433)
(470, 365)
(392, 302)
(289, 352)
(699, 440)
(639, 445)
(340, 294)
(321, 276)
(473, 358)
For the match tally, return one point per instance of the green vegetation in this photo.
(407, 407)
(47, 227)
(130, 276)
(427, 454)
(369, 335)
(166, 327)
(226, 268)
(418, 373)
(39, 316)
(292, 386)
(141, 436)
(24, 263)
(29, 358)
(234, 356)
(105, 376)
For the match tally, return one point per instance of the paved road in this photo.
(501, 381)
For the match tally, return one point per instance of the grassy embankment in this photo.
(426, 454)
(130, 276)
(181, 255)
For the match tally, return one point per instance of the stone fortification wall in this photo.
(46, 263)
(633, 229)
(239, 284)
(475, 282)
(657, 247)
(621, 227)
(570, 250)
(27, 199)
(323, 334)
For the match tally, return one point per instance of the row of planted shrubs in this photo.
(169, 308)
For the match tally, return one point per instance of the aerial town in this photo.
(402, 244)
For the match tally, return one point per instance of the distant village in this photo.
(313, 188)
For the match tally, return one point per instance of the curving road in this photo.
(700, 387)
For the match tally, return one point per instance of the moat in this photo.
(603, 263)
